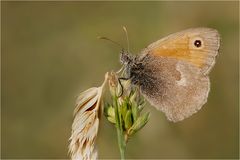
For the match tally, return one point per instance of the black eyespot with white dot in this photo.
(197, 43)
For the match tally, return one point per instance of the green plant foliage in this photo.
(125, 112)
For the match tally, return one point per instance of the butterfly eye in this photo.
(197, 43)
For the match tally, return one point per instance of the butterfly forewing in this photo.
(197, 46)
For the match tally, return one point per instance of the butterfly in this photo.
(172, 73)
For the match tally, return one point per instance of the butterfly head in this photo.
(125, 58)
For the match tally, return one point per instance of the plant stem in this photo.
(121, 143)
(120, 132)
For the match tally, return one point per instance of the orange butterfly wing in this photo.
(198, 46)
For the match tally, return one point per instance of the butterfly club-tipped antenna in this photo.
(126, 34)
(122, 48)
(114, 42)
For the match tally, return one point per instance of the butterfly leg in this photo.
(119, 80)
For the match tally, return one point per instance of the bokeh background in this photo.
(50, 53)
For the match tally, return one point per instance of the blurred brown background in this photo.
(50, 53)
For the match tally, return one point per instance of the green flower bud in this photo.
(128, 119)
(140, 122)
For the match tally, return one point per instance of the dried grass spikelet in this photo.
(86, 122)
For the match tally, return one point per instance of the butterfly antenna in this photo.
(114, 42)
(126, 33)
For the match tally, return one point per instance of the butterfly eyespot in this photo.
(197, 43)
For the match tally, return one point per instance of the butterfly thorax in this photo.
(134, 67)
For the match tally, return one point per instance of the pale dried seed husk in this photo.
(86, 123)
